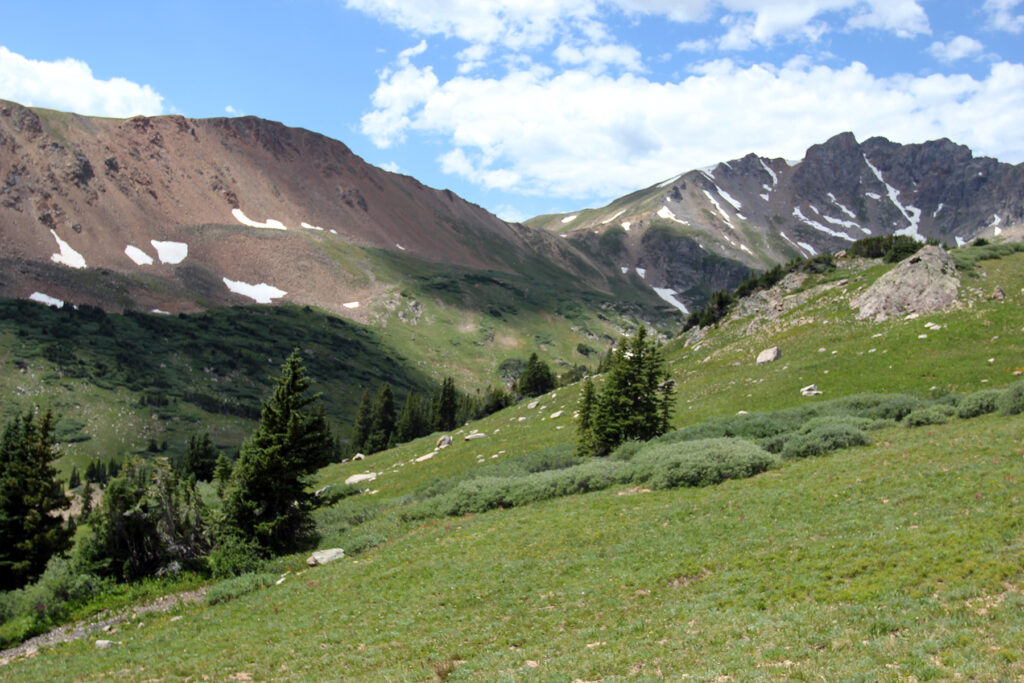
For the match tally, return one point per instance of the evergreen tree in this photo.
(361, 426)
(382, 420)
(636, 400)
(75, 480)
(222, 473)
(268, 501)
(585, 444)
(87, 493)
(412, 422)
(445, 406)
(148, 519)
(29, 493)
(200, 457)
(536, 378)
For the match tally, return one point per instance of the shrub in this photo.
(626, 450)
(38, 606)
(238, 586)
(824, 439)
(234, 556)
(877, 406)
(979, 403)
(1012, 400)
(921, 417)
(700, 463)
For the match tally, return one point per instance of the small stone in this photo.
(104, 644)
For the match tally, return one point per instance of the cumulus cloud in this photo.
(957, 48)
(1001, 15)
(578, 133)
(70, 85)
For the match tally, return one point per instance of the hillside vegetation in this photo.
(870, 532)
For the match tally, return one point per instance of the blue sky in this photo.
(536, 106)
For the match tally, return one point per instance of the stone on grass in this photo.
(769, 355)
(922, 283)
(474, 435)
(811, 390)
(325, 556)
(444, 442)
(357, 478)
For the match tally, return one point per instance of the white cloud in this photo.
(69, 85)
(578, 133)
(230, 110)
(391, 167)
(598, 57)
(1001, 15)
(701, 46)
(957, 48)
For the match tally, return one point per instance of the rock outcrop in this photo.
(923, 283)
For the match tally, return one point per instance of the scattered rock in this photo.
(769, 355)
(474, 435)
(998, 294)
(426, 457)
(325, 556)
(359, 456)
(444, 442)
(811, 390)
(556, 414)
(104, 644)
(532, 404)
(923, 283)
(356, 478)
(320, 492)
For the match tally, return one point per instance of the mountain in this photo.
(178, 215)
(703, 230)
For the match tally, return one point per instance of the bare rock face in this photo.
(922, 283)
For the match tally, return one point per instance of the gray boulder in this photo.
(922, 283)
(325, 556)
(769, 355)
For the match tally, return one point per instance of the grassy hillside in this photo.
(895, 560)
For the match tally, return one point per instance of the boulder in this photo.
(922, 283)
(532, 404)
(357, 478)
(474, 435)
(444, 442)
(998, 294)
(104, 644)
(557, 414)
(359, 456)
(769, 355)
(325, 556)
(811, 390)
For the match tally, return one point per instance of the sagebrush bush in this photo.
(824, 439)
(876, 406)
(238, 586)
(700, 463)
(979, 403)
(626, 450)
(1012, 400)
(234, 556)
(932, 415)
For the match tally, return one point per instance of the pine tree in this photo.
(75, 480)
(382, 420)
(268, 501)
(87, 493)
(200, 457)
(445, 406)
(585, 444)
(536, 378)
(29, 493)
(361, 426)
(412, 422)
(636, 400)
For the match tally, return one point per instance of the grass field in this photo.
(899, 560)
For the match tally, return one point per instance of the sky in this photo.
(540, 106)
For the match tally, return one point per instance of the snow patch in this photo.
(765, 196)
(845, 224)
(793, 162)
(744, 248)
(140, 257)
(961, 242)
(159, 312)
(67, 256)
(45, 299)
(735, 204)
(819, 227)
(609, 220)
(709, 172)
(718, 207)
(624, 269)
(938, 209)
(666, 213)
(307, 226)
(911, 213)
(642, 272)
(569, 219)
(351, 304)
(667, 182)
(996, 220)
(626, 224)
(170, 252)
(842, 208)
(809, 248)
(669, 295)
(400, 247)
(775, 178)
(874, 196)
(245, 220)
(786, 237)
(261, 293)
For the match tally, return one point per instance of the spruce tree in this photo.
(585, 444)
(75, 480)
(382, 420)
(536, 378)
(361, 426)
(200, 457)
(29, 494)
(411, 421)
(268, 501)
(445, 406)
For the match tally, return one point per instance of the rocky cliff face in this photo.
(177, 214)
(754, 212)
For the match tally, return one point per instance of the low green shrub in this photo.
(932, 415)
(234, 556)
(824, 439)
(238, 586)
(979, 403)
(876, 406)
(626, 450)
(39, 606)
(1012, 400)
(700, 463)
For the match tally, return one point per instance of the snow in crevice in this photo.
(664, 184)
(718, 207)
(45, 299)
(874, 196)
(911, 213)
(786, 237)
(351, 304)
(819, 227)
(625, 225)
(842, 208)
(775, 178)
(960, 241)
(270, 223)
(140, 257)
(624, 269)
(642, 272)
(261, 293)
(937, 210)
(157, 311)
(570, 219)
(399, 246)
(307, 226)
(744, 248)
(765, 197)
(845, 224)
(170, 252)
(709, 172)
(609, 220)
(669, 295)
(666, 213)
(67, 256)
(996, 220)
(809, 248)
(725, 195)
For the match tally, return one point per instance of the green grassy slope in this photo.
(898, 560)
